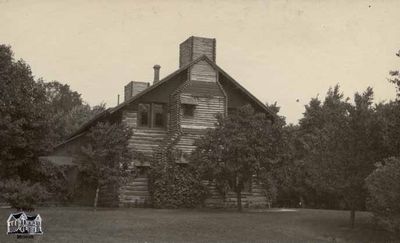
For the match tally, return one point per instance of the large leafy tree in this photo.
(105, 156)
(389, 118)
(242, 144)
(339, 152)
(24, 122)
(67, 110)
(383, 182)
(61, 97)
(291, 176)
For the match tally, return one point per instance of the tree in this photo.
(383, 182)
(339, 153)
(67, 110)
(23, 118)
(243, 144)
(396, 78)
(23, 194)
(105, 156)
(290, 175)
(387, 116)
(363, 152)
(61, 97)
(384, 190)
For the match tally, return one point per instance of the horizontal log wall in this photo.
(203, 71)
(205, 112)
(210, 99)
(204, 117)
(143, 140)
(204, 89)
(135, 193)
(188, 138)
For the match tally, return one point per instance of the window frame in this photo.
(163, 114)
(151, 115)
(185, 108)
(139, 116)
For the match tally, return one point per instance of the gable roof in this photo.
(257, 101)
(110, 111)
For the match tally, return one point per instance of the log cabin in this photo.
(172, 113)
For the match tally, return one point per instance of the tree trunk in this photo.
(352, 217)
(238, 194)
(239, 199)
(96, 198)
(302, 204)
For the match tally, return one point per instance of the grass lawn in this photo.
(157, 225)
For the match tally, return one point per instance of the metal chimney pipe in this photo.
(156, 73)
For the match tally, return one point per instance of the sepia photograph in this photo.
(199, 121)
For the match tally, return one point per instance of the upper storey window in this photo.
(144, 115)
(188, 110)
(151, 115)
(188, 106)
(158, 115)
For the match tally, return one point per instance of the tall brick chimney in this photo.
(133, 88)
(195, 47)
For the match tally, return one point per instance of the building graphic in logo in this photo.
(23, 224)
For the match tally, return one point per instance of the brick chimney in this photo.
(195, 47)
(156, 73)
(133, 88)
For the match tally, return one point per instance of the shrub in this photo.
(103, 160)
(23, 195)
(384, 189)
(54, 179)
(175, 186)
(269, 184)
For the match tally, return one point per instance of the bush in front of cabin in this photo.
(104, 159)
(175, 185)
(54, 179)
(384, 194)
(23, 195)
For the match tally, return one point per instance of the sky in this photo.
(281, 51)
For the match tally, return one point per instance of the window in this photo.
(144, 115)
(188, 110)
(158, 115)
(151, 115)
